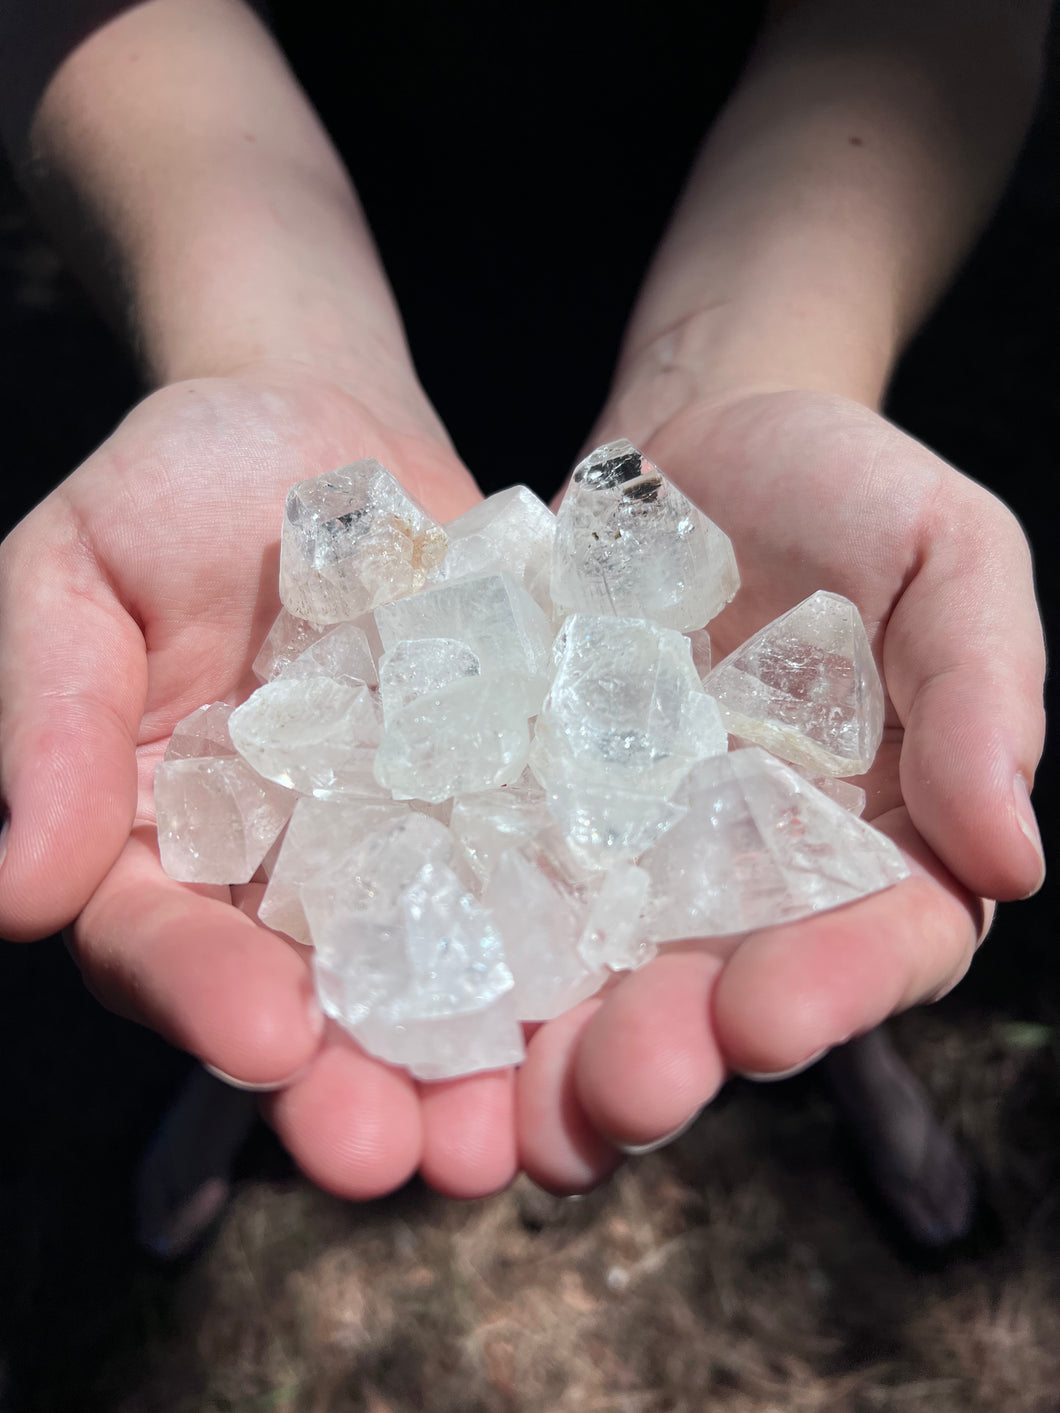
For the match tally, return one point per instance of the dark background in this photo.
(517, 175)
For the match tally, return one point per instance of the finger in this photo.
(791, 992)
(73, 678)
(198, 971)
(351, 1123)
(964, 663)
(559, 1148)
(469, 1134)
(648, 1060)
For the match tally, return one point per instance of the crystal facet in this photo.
(417, 667)
(629, 543)
(287, 639)
(512, 532)
(202, 733)
(759, 846)
(612, 935)
(352, 540)
(216, 818)
(342, 654)
(311, 734)
(490, 613)
(806, 688)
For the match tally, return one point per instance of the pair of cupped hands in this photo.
(143, 586)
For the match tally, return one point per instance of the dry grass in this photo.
(740, 1272)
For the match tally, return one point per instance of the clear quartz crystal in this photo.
(699, 641)
(624, 721)
(490, 613)
(442, 1047)
(351, 540)
(472, 735)
(320, 831)
(541, 922)
(287, 639)
(512, 532)
(416, 667)
(759, 846)
(629, 543)
(203, 732)
(216, 818)
(486, 824)
(806, 688)
(342, 654)
(612, 935)
(312, 734)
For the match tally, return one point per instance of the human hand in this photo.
(141, 588)
(816, 491)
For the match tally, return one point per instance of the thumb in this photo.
(73, 675)
(965, 662)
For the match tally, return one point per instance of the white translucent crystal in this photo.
(216, 818)
(351, 540)
(311, 734)
(629, 543)
(486, 824)
(806, 688)
(851, 797)
(699, 641)
(342, 654)
(541, 923)
(600, 822)
(434, 1047)
(417, 667)
(612, 935)
(472, 735)
(759, 846)
(403, 956)
(287, 639)
(490, 613)
(511, 531)
(203, 732)
(319, 833)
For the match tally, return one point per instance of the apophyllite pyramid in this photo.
(515, 773)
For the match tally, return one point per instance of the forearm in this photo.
(223, 227)
(834, 198)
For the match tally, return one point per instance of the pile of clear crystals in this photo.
(489, 765)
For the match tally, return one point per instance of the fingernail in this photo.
(246, 1084)
(773, 1076)
(5, 828)
(638, 1150)
(1029, 825)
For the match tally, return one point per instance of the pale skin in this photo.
(797, 266)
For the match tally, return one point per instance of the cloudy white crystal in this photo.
(806, 688)
(351, 540)
(511, 531)
(629, 543)
(216, 818)
(417, 667)
(759, 846)
(342, 654)
(311, 734)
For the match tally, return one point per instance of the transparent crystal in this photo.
(512, 532)
(417, 667)
(203, 732)
(486, 824)
(699, 641)
(342, 654)
(311, 734)
(216, 818)
(287, 639)
(759, 846)
(541, 923)
(352, 540)
(319, 833)
(490, 613)
(629, 543)
(612, 935)
(472, 735)
(442, 1047)
(806, 688)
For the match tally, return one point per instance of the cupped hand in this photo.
(818, 492)
(138, 590)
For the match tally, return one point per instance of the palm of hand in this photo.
(817, 492)
(159, 538)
